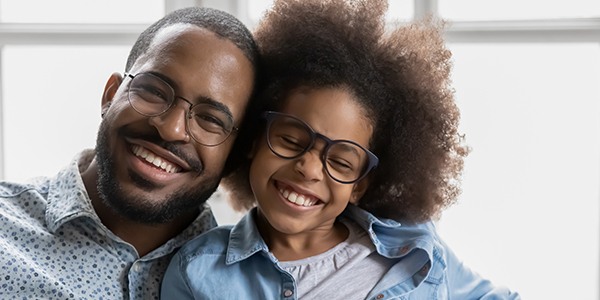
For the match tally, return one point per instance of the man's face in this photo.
(150, 169)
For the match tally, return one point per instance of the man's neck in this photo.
(143, 237)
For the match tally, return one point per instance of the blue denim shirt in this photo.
(233, 262)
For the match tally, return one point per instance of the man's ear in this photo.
(110, 89)
(359, 190)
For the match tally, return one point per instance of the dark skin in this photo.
(198, 65)
(143, 237)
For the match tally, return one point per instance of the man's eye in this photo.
(152, 94)
(205, 118)
(210, 123)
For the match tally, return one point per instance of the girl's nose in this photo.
(310, 165)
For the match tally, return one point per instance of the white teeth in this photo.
(157, 161)
(300, 200)
(297, 199)
(292, 197)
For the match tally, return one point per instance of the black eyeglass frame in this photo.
(270, 116)
(175, 97)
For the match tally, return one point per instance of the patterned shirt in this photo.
(54, 246)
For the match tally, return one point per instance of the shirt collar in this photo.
(391, 238)
(68, 199)
(67, 196)
(245, 240)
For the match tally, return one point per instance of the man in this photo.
(106, 226)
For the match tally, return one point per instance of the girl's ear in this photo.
(359, 190)
(110, 89)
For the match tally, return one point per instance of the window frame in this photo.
(570, 30)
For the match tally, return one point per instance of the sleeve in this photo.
(175, 284)
(463, 283)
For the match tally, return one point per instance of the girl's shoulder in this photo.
(213, 241)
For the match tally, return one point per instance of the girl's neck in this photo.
(288, 247)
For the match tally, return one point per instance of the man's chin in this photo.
(152, 208)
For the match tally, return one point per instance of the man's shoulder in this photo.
(17, 189)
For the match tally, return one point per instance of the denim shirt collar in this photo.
(390, 238)
(245, 240)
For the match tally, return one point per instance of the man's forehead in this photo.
(172, 33)
(168, 38)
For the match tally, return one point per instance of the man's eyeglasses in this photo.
(345, 161)
(207, 123)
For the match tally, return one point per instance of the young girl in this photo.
(357, 153)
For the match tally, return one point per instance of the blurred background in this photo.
(527, 80)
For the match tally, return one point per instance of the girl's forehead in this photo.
(333, 112)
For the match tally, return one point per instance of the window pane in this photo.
(397, 10)
(517, 9)
(81, 11)
(256, 9)
(402, 10)
(531, 188)
(51, 106)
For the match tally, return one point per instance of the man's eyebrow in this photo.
(161, 76)
(216, 104)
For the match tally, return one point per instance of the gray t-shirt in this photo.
(349, 270)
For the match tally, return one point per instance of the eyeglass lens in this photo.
(151, 96)
(289, 137)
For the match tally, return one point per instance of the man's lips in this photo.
(169, 157)
(154, 159)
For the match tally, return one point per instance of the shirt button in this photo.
(288, 293)
(404, 249)
(137, 267)
(380, 296)
(424, 270)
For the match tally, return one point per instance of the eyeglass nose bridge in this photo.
(322, 152)
(188, 113)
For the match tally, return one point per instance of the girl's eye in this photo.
(291, 142)
(340, 165)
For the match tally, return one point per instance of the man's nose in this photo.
(172, 124)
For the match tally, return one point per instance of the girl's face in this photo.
(298, 195)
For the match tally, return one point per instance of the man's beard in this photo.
(136, 208)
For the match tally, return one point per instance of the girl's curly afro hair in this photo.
(401, 77)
